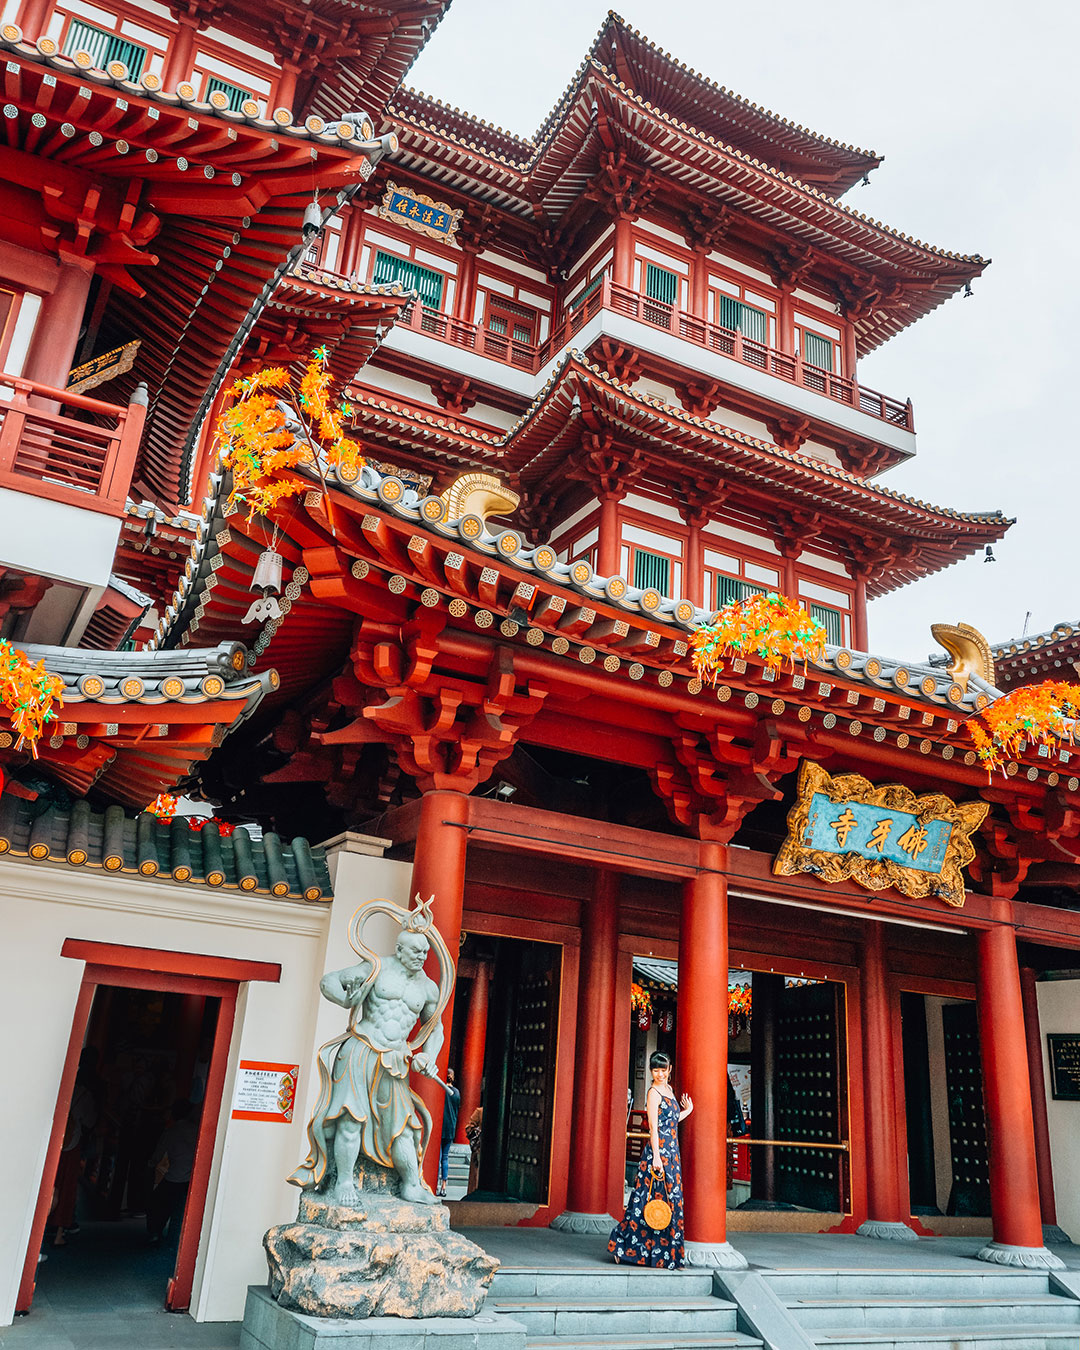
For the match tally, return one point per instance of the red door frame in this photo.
(165, 972)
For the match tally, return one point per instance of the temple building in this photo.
(606, 383)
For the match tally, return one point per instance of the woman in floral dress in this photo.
(633, 1242)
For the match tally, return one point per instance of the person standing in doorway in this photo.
(449, 1128)
(659, 1175)
(175, 1149)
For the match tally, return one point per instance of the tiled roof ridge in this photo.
(525, 167)
(143, 846)
(45, 51)
(616, 19)
(1065, 628)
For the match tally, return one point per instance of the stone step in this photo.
(573, 1318)
(686, 1340)
(896, 1313)
(603, 1281)
(933, 1283)
(950, 1338)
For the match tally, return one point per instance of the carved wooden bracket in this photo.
(617, 359)
(455, 393)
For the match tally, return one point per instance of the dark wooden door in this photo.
(532, 1075)
(809, 1096)
(967, 1117)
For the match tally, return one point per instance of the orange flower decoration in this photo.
(164, 807)
(768, 626)
(1033, 714)
(273, 427)
(29, 693)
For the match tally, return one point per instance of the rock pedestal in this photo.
(383, 1257)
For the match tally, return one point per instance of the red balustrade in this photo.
(727, 342)
(83, 460)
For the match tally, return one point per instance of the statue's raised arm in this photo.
(395, 1021)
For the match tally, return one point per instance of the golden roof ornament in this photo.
(478, 494)
(969, 650)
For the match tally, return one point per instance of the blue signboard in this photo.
(877, 832)
(435, 219)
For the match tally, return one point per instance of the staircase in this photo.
(928, 1309)
(616, 1308)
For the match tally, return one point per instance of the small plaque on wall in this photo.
(1064, 1066)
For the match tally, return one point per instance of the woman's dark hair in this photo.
(659, 1060)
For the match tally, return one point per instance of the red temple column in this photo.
(586, 1198)
(1014, 1181)
(701, 1063)
(694, 574)
(284, 94)
(623, 262)
(56, 332)
(466, 285)
(179, 57)
(699, 284)
(32, 17)
(850, 352)
(785, 320)
(607, 544)
(860, 638)
(1043, 1158)
(439, 871)
(472, 1052)
(884, 1216)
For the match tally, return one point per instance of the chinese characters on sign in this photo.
(877, 832)
(265, 1091)
(435, 219)
(845, 828)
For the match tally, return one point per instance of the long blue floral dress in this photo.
(633, 1242)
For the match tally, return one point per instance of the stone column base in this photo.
(570, 1221)
(1034, 1258)
(1053, 1234)
(268, 1326)
(719, 1255)
(890, 1232)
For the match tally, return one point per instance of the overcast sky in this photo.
(973, 107)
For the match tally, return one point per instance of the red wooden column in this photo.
(607, 543)
(1014, 1181)
(884, 1216)
(694, 575)
(586, 1198)
(1040, 1120)
(701, 1059)
(439, 871)
(860, 639)
(623, 243)
(472, 1052)
(56, 332)
(178, 59)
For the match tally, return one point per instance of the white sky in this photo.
(973, 107)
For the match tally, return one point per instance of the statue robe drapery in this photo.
(370, 1084)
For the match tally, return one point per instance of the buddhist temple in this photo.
(603, 391)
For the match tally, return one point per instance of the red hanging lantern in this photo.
(644, 1019)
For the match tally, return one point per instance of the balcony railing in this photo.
(620, 300)
(85, 459)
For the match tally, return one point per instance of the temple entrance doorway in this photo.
(948, 1161)
(505, 1063)
(123, 1189)
(788, 1136)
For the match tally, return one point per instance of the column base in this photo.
(1034, 1258)
(890, 1232)
(721, 1255)
(569, 1221)
(1055, 1235)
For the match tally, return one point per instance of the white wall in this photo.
(1059, 1011)
(43, 904)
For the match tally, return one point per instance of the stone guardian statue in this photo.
(370, 1238)
(365, 1104)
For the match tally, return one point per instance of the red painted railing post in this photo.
(120, 464)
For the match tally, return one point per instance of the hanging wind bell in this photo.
(267, 579)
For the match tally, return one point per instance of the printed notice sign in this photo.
(1064, 1066)
(265, 1091)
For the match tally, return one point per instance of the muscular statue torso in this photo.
(392, 1006)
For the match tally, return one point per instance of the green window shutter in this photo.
(412, 276)
(651, 569)
(104, 47)
(832, 621)
(817, 351)
(753, 323)
(593, 285)
(232, 92)
(660, 284)
(730, 590)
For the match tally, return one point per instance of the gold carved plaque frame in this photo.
(872, 808)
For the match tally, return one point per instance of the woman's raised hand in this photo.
(686, 1101)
